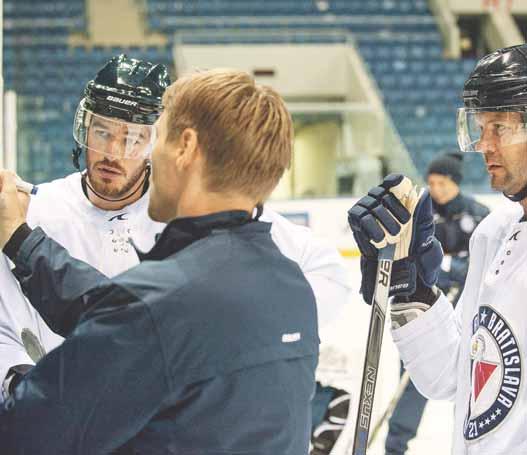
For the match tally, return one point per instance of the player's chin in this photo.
(109, 189)
(506, 186)
(498, 183)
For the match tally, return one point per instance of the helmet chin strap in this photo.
(519, 196)
(143, 184)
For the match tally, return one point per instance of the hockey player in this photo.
(475, 354)
(455, 218)
(93, 214)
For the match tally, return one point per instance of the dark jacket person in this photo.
(456, 216)
(209, 346)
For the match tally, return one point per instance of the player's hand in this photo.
(13, 206)
(396, 213)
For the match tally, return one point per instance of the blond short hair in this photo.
(244, 130)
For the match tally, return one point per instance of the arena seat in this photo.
(398, 39)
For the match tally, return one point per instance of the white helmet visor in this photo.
(479, 129)
(112, 137)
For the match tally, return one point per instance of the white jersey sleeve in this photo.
(476, 355)
(433, 369)
(16, 315)
(321, 264)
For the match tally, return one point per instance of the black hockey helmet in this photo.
(124, 98)
(128, 89)
(498, 80)
(495, 104)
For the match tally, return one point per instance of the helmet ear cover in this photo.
(84, 123)
(82, 133)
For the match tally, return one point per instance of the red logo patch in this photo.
(482, 373)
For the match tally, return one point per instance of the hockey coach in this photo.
(209, 345)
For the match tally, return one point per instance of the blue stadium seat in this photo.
(398, 39)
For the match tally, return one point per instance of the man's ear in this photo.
(187, 148)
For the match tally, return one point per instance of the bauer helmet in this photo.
(123, 101)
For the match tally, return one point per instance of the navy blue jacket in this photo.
(455, 222)
(209, 346)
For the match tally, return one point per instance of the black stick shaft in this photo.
(373, 350)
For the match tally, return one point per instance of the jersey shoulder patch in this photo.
(496, 372)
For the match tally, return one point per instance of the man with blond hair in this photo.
(209, 346)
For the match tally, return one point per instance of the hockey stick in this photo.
(373, 350)
(405, 379)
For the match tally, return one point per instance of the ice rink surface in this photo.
(349, 333)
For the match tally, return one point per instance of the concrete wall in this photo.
(499, 27)
(315, 72)
(116, 23)
(500, 30)
(314, 165)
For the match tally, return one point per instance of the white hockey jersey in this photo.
(100, 238)
(476, 354)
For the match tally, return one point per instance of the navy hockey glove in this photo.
(394, 212)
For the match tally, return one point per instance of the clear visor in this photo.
(482, 129)
(112, 137)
